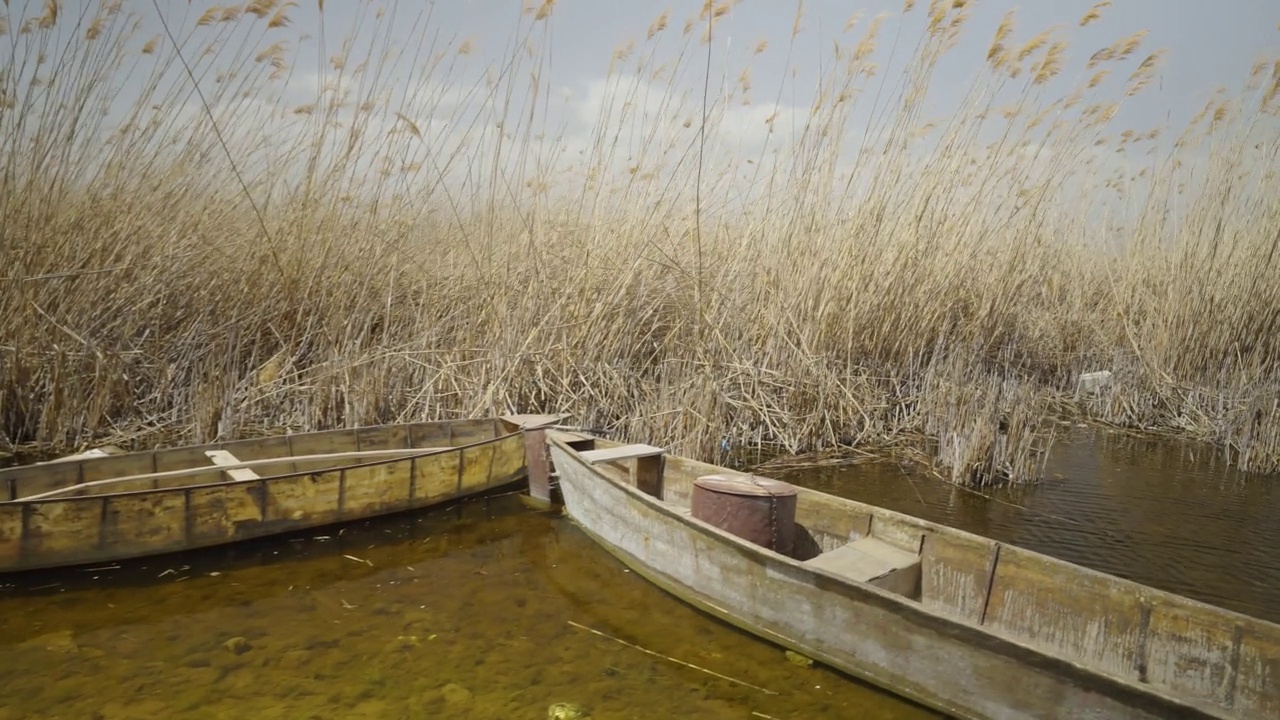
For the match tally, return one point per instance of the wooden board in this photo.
(621, 452)
(465, 432)
(383, 437)
(871, 560)
(377, 489)
(62, 529)
(143, 523)
(1088, 618)
(508, 460)
(1257, 682)
(431, 434)
(10, 535)
(237, 474)
(527, 422)
(36, 479)
(476, 465)
(436, 476)
(955, 574)
(92, 469)
(218, 513)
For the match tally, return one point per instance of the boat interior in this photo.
(112, 472)
(1187, 649)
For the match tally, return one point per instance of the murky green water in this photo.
(1158, 513)
(458, 613)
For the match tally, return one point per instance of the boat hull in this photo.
(878, 636)
(159, 514)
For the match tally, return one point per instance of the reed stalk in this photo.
(415, 239)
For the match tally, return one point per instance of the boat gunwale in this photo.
(987, 638)
(426, 452)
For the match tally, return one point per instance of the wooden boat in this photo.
(957, 622)
(103, 507)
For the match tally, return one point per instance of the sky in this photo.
(1209, 43)
(571, 53)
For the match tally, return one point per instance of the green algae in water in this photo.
(463, 612)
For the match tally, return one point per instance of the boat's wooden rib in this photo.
(955, 621)
(115, 506)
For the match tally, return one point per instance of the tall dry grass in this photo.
(416, 240)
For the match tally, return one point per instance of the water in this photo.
(458, 613)
(465, 612)
(1155, 512)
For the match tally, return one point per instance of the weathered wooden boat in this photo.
(103, 507)
(957, 622)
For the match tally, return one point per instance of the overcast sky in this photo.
(1208, 44)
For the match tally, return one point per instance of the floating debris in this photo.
(566, 711)
(455, 695)
(405, 642)
(62, 642)
(238, 645)
(674, 660)
(796, 658)
(1092, 382)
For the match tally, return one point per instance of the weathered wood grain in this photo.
(60, 529)
(1256, 690)
(508, 461)
(955, 575)
(437, 476)
(217, 513)
(143, 523)
(1089, 619)
(376, 489)
(116, 520)
(10, 534)
(474, 471)
(998, 631)
(36, 479)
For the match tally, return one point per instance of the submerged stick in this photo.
(674, 660)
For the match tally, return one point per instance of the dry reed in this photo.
(197, 267)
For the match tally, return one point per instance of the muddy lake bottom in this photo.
(461, 612)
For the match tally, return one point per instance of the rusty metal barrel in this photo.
(757, 509)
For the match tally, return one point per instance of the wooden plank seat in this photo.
(876, 562)
(222, 457)
(622, 452)
(646, 474)
(576, 440)
(529, 422)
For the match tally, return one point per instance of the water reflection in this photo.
(1152, 511)
(459, 613)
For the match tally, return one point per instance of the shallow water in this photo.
(462, 612)
(1152, 511)
(465, 612)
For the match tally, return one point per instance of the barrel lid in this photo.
(752, 485)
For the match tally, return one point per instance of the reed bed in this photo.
(415, 240)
